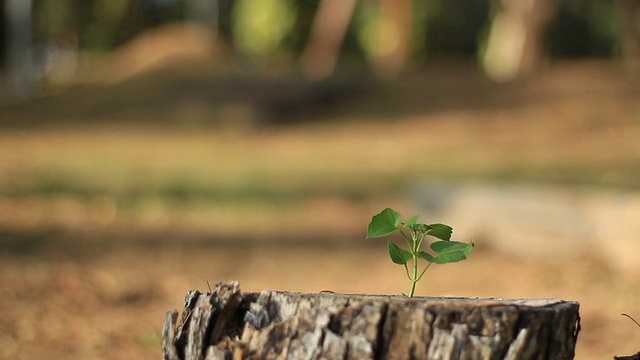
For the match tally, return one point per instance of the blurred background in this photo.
(150, 146)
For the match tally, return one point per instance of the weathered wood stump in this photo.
(228, 324)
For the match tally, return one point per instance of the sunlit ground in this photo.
(105, 227)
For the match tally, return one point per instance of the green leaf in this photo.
(450, 251)
(398, 255)
(418, 228)
(426, 256)
(412, 220)
(443, 246)
(440, 231)
(383, 224)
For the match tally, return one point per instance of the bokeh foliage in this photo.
(579, 28)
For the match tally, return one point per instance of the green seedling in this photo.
(388, 221)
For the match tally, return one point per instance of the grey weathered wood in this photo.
(228, 324)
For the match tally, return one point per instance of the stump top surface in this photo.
(435, 300)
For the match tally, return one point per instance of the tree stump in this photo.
(228, 324)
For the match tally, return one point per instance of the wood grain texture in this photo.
(228, 324)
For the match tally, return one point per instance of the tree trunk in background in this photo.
(329, 27)
(205, 12)
(514, 46)
(228, 324)
(331, 23)
(397, 23)
(19, 43)
(630, 34)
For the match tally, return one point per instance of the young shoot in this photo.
(388, 221)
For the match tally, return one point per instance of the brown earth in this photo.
(111, 303)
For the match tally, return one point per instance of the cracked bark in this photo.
(228, 324)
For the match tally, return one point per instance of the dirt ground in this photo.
(111, 304)
(89, 266)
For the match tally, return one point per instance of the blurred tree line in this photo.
(387, 33)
